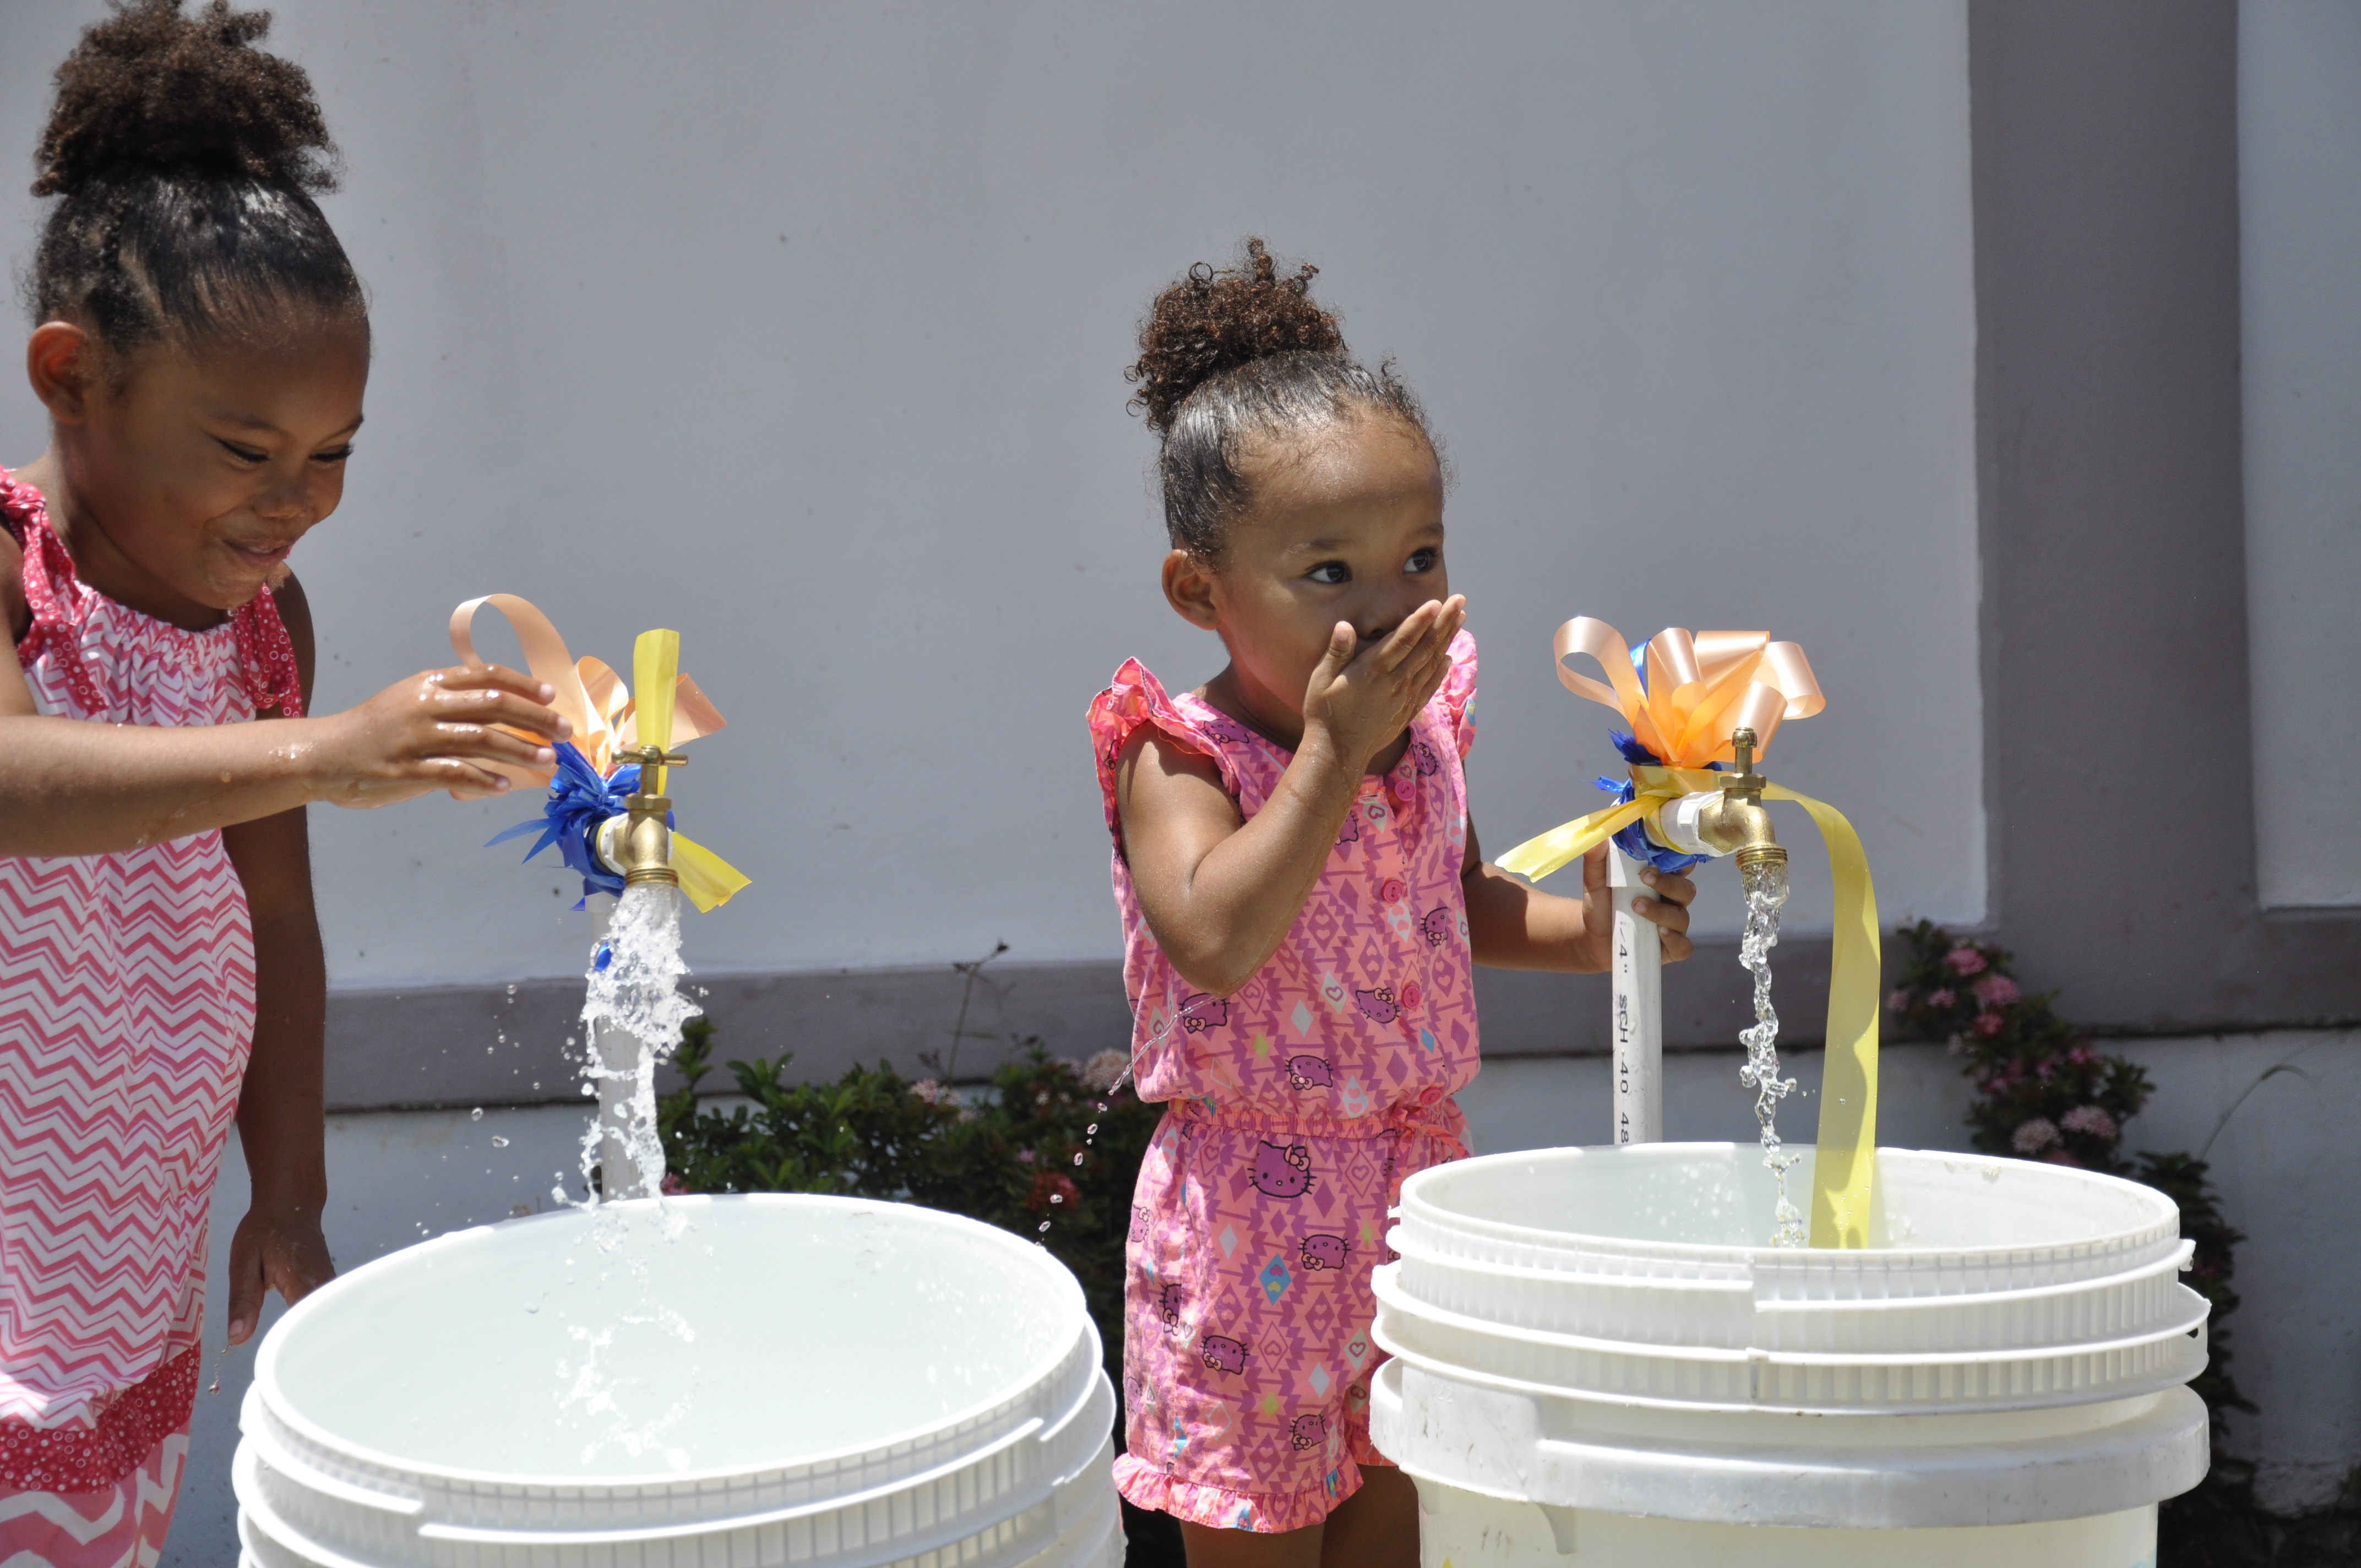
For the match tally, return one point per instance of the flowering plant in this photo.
(2043, 1091)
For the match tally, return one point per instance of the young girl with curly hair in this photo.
(1302, 896)
(202, 347)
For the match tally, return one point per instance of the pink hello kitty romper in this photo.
(126, 1010)
(1293, 1109)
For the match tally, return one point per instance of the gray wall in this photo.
(1909, 330)
(799, 328)
(2299, 273)
(2116, 610)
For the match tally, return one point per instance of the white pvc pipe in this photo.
(1637, 1021)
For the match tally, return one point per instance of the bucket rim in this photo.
(266, 1382)
(1753, 1256)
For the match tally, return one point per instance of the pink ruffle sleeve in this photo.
(1136, 698)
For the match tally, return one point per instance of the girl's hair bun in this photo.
(151, 91)
(1212, 320)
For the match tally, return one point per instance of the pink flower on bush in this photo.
(673, 1186)
(2031, 1137)
(2092, 1120)
(1898, 1003)
(927, 1091)
(2083, 1056)
(1996, 991)
(1989, 1024)
(1965, 959)
(1941, 998)
(1025, 1157)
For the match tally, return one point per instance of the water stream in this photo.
(634, 989)
(632, 1011)
(1766, 895)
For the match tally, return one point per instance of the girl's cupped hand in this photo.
(1363, 695)
(439, 729)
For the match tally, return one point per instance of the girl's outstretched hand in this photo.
(438, 730)
(1362, 697)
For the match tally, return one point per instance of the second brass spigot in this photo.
(639, 843)
(1737, 822)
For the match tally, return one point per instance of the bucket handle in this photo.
(270, 1450)
(478, 1535)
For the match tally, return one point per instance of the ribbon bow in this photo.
(1699, 689)
(587, 786)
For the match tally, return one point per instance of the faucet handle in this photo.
(1745, 781)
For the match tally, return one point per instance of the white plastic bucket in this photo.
(1597, 1357)
(764, 1380)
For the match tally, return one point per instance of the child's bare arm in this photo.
(282, 1110)
(1511, 925)
(71, 787)
(1220, 893)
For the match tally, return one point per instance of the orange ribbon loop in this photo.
(1700, 688)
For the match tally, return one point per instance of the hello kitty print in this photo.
(1294, 1109)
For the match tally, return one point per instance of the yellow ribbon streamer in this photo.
(1720, 681)
(607, 720)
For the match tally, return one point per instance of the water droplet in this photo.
(1045, 1225)
(499, 1142)
(1091, 1131)
(511, 991)
(476, 1115)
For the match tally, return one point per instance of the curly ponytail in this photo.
(185, 160)
(1228, 356)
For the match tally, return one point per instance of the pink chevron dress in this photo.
(1293, 1109)
(126, 1011)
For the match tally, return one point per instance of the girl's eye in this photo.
(1420, 561)
(336, 456)
(243, 454)
(1331, 572)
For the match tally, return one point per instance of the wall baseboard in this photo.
(497, 1045)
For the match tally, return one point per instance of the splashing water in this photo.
(1766, 895)
(634, 989)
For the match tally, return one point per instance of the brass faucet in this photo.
(1738, 821)
(643, 847)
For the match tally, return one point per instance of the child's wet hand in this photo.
(1363, 695)
(442, 730)
(1668, 908)
(279, 1249)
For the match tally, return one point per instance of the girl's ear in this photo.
(62, 363)
(1189, 590)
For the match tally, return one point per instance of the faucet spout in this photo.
(639, 843)
(1738, 823)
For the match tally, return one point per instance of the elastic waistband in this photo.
(1442, 1119)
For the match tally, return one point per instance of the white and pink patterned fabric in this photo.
(1294, 1109)
(127, 1011)
(120, 1525)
